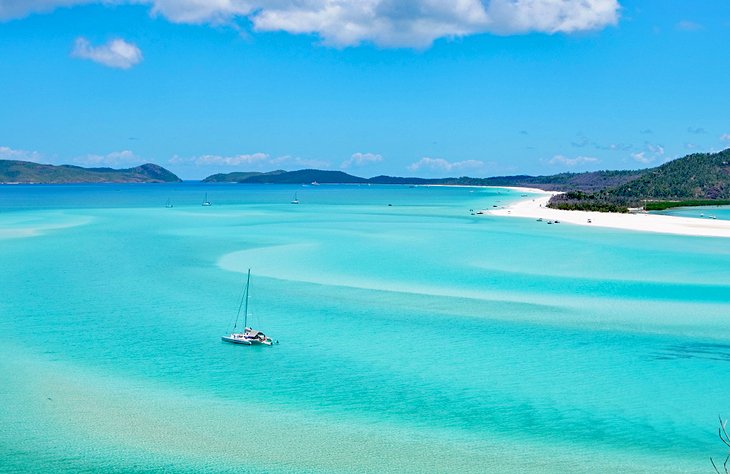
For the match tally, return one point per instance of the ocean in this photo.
(413, 336)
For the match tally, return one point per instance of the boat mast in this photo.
(240, 305)
(245, 313)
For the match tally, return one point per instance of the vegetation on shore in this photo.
(664, 205)
(700, 179)
(26, 172)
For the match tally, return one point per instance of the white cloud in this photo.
(439, 164)
(725, 137)
(114, 159)
(642, 157)
(571, 162)
(390, 23)
(650, 153)
(234, 160)
(295, 161)
(117, 53)
(257, 161)
(10, 9)
(361, 159)
(7, 153)
(686, 25)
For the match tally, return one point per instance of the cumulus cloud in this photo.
(257, 161)
(361, 159)
(642, 157)
(439, 164)
(114, 159)
(572, 162)
(234, 160)
(7, 153)
(650, 153)
(389, 23)
(296, 161)
(117, 53)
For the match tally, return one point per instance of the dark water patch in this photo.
(696, 350)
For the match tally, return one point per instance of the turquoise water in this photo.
(413, 337)
(700, 212)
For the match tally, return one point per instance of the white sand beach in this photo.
(535, 207)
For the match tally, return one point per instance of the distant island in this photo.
(26, 172)
(699, 179)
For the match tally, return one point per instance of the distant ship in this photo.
(205, 201)
(295, 200)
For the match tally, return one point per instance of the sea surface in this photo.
(413, 335)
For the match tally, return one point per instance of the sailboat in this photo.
(249, 336)
(205, 201)
(295, 200)
(168, 204)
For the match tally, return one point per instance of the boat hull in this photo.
(235, 340)
(246, 341)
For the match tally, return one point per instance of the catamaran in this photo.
(205, 201)
(249, 336)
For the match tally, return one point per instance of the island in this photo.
(26, 172)
(698, 179)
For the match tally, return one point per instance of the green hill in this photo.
(693, 179)
(697, 176)
(238, 176)
(26, 172)
(560, 182)
(700, 179)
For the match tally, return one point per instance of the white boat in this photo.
(295, 200)
(248, 336)
(205, 201)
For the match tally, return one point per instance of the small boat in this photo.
(205, 201)
(248, 336)
(168, 204)
(557, 221)
(589, 221)
(550, 222)
(314, 183)
(539, 219)
(295, 200)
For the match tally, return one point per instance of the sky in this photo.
(401, 87)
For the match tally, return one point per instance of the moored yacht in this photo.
(248, 336)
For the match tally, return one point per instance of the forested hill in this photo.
(26, 172)
(698, 179)
(560, 182)
(697, 176)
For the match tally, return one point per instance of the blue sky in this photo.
(409, 87)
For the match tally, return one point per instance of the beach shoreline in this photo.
(536, 208)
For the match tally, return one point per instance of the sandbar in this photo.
(534, 207)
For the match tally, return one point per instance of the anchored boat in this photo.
(248, 336)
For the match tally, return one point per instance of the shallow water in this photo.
(413, 337)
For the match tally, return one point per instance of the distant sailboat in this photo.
(168, 204)
(295, 200)
(249, 336)
(205, 201)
